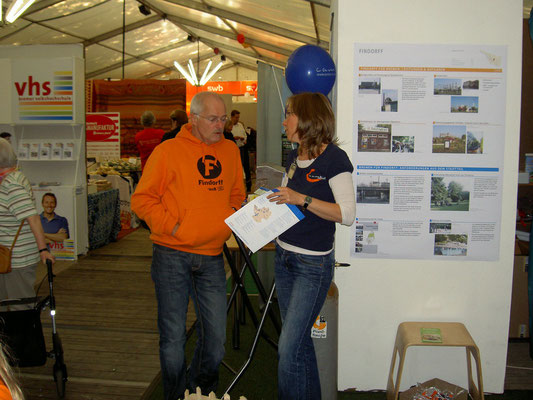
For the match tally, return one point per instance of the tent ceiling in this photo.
(174, 30)
(273, 29)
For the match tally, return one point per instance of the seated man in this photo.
(55, 226)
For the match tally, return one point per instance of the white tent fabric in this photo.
(122, 42)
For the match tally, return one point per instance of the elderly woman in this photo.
(17, 205)
(318, 178)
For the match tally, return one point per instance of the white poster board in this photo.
(376, 294)
(428, 144)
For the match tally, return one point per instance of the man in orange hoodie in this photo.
(189, 185)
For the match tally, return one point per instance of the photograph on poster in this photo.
(471, 84)
(464, 104)
(403, 144)
(365, 237)
(55, 226)
(54, 205)
(374, 137)
(439, 227)
(389, 101)
(450, 193)
(474, 142)
(373, 189)
(369, 85)
(450, 245)
(447, 86)
(449, 139)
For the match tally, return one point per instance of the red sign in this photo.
(99, 127)
(103, 135)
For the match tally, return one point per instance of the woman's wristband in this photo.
(41, 250)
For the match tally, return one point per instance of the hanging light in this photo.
(203, 81)
(191, 75)
(184, 73)
(16, 8)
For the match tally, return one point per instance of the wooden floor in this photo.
(106, 317)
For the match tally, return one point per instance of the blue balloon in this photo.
(310, 69)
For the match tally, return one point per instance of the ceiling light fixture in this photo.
(16, 8)
(191, 76)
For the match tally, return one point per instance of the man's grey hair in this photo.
(148, 118)
(198, 101)
(8, 158)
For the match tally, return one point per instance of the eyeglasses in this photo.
(288, 114)
(213, 120)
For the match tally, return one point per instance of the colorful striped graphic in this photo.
(59, 106)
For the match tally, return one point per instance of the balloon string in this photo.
(277, 86)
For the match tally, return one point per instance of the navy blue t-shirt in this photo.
(313, 232)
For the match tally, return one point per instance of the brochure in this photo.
(431, 335)
(261, 221)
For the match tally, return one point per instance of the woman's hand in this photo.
(323, 209)
(287, 196)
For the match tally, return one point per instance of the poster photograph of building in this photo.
(370, 85)
(449, 139)
(374, 137)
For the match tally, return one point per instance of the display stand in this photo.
(237, 274)
(44, 89)
(267, 300)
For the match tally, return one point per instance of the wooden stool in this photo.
(453, 334)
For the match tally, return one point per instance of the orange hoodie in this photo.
(195, 185)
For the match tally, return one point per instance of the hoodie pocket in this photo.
(204, 226)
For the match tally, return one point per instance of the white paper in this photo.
(261, 221)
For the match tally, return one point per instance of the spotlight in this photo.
(191, 38)
(144, 10)
(222, 58)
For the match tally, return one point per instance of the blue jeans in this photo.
(302, 284)
(178, 275)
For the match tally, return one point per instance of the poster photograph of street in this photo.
(403, 144)
(373, 189)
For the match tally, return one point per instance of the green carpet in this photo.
(259, 381)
